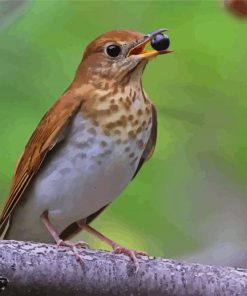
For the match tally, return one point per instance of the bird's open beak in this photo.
(139, 48)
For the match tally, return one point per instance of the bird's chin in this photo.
(137, 67)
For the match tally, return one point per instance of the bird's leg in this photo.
(45, 219)
(117, 249)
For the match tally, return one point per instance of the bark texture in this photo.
(38, 269)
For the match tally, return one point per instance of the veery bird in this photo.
(88, 146)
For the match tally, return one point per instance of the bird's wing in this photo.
(48, 133)
(149, 149)
(73, 228)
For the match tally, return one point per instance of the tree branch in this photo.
(39, 269)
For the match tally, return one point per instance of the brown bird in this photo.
(88, 146)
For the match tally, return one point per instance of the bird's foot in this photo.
(117, 249)
(73, 247)
(82, 244)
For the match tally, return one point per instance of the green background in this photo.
(192, 195)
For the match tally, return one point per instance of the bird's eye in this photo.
(113, 50)
(160, 42)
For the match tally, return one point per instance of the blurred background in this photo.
(190, 200)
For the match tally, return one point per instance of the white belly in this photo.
(80, 176)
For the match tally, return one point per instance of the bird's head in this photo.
(121, 53)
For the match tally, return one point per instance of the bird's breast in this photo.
(90, 168)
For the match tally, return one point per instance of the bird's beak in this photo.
(138, 48)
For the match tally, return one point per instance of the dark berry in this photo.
(160, 42)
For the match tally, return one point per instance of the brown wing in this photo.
(47, 134)
(73, 228)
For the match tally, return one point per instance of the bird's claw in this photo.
(73, 247)
(82, 244)
(130, 253)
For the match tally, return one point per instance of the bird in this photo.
(88, 146)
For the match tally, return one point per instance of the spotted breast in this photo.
(99, 156)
